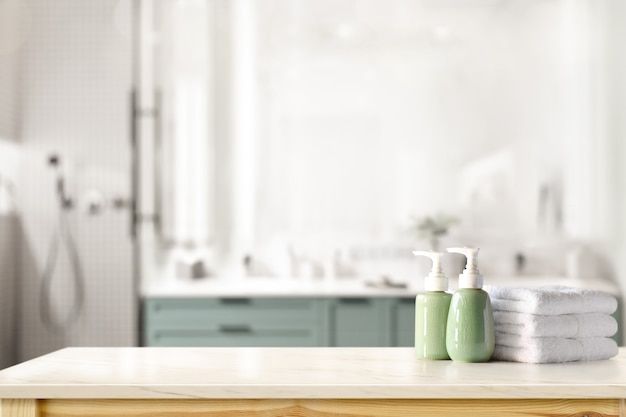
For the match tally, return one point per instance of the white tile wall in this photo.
(75, 87)
(11, 43)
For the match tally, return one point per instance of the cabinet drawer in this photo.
(231, 335)
(205, 313)
(359, 322)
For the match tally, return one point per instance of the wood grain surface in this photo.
(18, 408)
(327, 408)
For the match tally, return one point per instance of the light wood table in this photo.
(315, 382)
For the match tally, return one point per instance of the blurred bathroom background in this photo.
(157, 151)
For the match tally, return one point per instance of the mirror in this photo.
(361, 129)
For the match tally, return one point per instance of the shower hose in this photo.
(62, 236)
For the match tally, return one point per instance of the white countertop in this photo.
(270, 287)
(281, 287)
(231, 373)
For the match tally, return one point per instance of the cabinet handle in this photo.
(235, 301)
(235, 328)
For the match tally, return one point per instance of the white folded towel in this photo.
(552, 349)
(551, 300)
(563, 325)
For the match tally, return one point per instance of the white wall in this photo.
(615, 15)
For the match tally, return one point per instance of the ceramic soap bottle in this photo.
(431, 312)
(470, 333)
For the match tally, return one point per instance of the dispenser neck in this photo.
(436, 282)
(470, 280)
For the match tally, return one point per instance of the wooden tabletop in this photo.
(212, 373)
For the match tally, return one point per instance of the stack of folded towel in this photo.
(553, 324)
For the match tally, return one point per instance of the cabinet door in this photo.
(359, 322)
(403, 321)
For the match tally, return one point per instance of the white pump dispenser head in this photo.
(436, 280)
(470, 278)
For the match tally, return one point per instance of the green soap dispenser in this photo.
(431, 312)
(470, 333)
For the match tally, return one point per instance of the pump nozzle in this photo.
(434, 256)
(470, 278)
(436, 280)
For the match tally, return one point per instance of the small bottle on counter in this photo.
(431, 312)
(470, 333)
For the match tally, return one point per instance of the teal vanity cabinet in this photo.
(403, 320)
(359, 322)
(251, 321)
